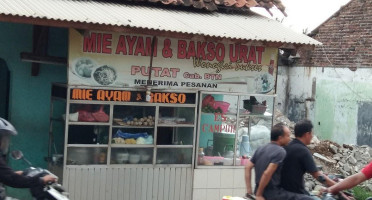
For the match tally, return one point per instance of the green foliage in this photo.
(361, 193)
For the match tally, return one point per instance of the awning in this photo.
(247, 26)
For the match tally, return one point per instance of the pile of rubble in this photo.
(334, 158)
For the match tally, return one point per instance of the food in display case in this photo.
(172, 120)
(100, 115)
(131, 155)
(132, 131)
(134, 158)
(133, 121)
(132, 138)
(89, 113)
(122, 158)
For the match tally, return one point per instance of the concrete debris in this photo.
(321, 157)
(336, 159)
(333, 148)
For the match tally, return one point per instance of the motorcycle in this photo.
(51, 191)
(344, 195)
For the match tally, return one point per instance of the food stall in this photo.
(164, 117)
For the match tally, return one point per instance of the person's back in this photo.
(270, 153)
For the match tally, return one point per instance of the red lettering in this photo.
(200, 50)
(181, 54)
(211, 49)
(174, 72)
(121, 47)
(106, 43)
(139, 47)
(149, 47)
(252, 55)
(243, 50)
(234, 58)
(191, 50)
(144, 72)
(165, 73)
(90, 43)
(99, 37)
(134, 70)
(167, 51)
(260, 50)
(203, 127)
(220, 52)
(156, 71)
(131, 42)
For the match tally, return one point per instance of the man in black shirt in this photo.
(299, 160)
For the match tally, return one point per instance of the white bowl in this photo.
(145, 157)
(83, 67)
(122, 158)
(134, 158)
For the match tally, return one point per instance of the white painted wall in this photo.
(338, 94)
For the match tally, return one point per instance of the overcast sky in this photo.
(304, 14)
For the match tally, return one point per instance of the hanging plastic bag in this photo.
(124, 135)
(85, 116)
(100, 115)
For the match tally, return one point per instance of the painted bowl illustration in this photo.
(105, 75)
(264, 83)
(83, 67)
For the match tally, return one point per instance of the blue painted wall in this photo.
(30, 95)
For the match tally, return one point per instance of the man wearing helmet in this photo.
(8, 176)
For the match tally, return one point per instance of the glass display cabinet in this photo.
(134, 132)
(232, 126)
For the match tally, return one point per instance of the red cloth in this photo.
(367, 170)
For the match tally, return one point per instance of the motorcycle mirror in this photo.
(17, 155)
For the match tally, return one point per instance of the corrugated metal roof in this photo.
(236, 26)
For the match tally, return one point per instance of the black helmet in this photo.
(6, 130)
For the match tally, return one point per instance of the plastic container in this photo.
(214, 159)
(224, 106)
(244, 146)
(259, 109)
(244, 161)
(201, 156)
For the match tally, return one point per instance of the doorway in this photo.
(4, 89)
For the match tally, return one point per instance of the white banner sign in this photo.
(123, 60)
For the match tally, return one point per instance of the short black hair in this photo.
(303, 127)
(277, 130)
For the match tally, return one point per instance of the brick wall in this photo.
(346, 38)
